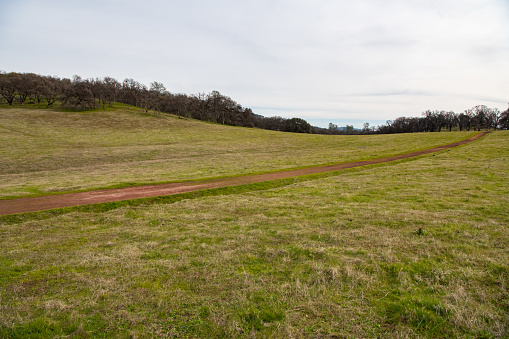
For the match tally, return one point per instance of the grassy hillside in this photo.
(415, 249)
(45, 151)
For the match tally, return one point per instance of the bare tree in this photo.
(78, 94)
(24, 87)
(53, 88)
(131, 92)
(8, 84)
(504, 119)
(37, 93)
(464, 122)
(111, 87)
(157, 92)
(451, 120)
(181, 104)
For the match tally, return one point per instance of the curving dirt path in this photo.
(23, 205)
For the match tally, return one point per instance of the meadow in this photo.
(49, 151)
(413, 249)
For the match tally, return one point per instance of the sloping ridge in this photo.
(34, 204)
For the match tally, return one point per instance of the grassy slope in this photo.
(45, 151)
(416, 249)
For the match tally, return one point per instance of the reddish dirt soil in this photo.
(23, 205)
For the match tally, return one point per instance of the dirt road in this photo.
(23, 205)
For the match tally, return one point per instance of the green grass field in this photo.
(412, 249)
(47, 151)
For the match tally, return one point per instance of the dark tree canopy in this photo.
(297, 125)
(8, 87)
(504, 119)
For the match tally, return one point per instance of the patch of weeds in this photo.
(355, 253)
(425, 314)
(97, 325)
(204, 312)
(185, 323)
(154, 255)
(149, 285)
(418, 271)
(261, 318)
(132, 214)
(255, 265)
(207, 240)
(9, 271)
(392, 272)
(38, 328)
(498, 270)
(197, 263)
(154, 223)
(299, 253)
(323, 238)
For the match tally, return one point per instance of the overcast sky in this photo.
(339, 60)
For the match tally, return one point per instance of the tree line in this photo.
(79, 93)
(477, 118)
